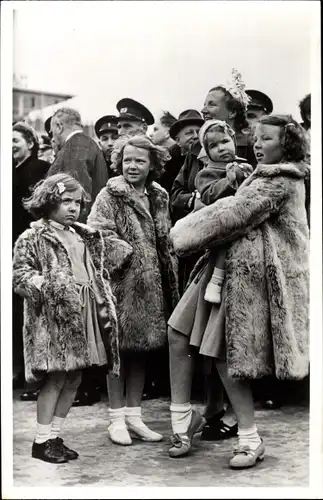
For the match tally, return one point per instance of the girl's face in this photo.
(215, 107)
(220, 146)
(68, 211)
(135, 165)
(267, 146)
(21, 149)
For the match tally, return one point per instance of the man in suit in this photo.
(81, 157)
(106, 129)
(78, 155)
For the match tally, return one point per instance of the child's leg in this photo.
(65, 400)
(134, 388)
(240, 395)
(214, 287)
(117, 429)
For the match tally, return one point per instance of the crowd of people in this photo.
(162, 263)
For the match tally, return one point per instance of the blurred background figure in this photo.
(106, 129)
(259, 106)
(305, 110)
(28, 169)
(45, 149)
(161, 137)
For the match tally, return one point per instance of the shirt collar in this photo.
(57, 225)
(73, 133)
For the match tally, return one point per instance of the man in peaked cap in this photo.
(259, 106)
(134, 118)
(106, 129)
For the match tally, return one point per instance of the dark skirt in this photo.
(201, 321)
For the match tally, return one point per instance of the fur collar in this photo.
(118, 186)
(43, 228)
(297, 170)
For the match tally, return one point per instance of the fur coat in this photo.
(146, 288)
(267, 269)
(53, 332)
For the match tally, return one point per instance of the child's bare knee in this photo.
(177, 341)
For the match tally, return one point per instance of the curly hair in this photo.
(234, 105)
(293, 138)
(158, 155)
(30, 136)
(46, 197)
(305, 110)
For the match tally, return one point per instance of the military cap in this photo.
(187, 117)
(106, 124)
(130, 109)
(260, 100)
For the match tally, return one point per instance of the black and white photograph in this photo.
(161, 249)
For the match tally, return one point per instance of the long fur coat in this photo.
(267, 269)
(54, 334)
(146, 288)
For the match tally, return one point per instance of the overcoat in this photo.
(267, 269)
(54, 334)
(146, 288)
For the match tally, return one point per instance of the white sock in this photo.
(249, 437)
(218, 276)
(56, 426)
(133, 415)
(116, 416)
(43, 433)
(181, 416)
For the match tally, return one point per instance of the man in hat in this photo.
(106, 129)
(134, 117)
(259, 106)
(78, 155)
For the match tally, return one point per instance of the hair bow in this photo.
(61, 187)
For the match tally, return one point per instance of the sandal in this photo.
(217, 430)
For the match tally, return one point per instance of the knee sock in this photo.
(117, 417)
(43, 433)
(249, 437)
(181, 416)
(56, 426)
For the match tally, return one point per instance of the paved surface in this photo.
(101, 463)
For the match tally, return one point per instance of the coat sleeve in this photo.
(212, 185)
(229, 218)
(180, 193)
(118, 252)
(26, 267)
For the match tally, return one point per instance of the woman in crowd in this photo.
(134, 209)
(261, 327)
(27, 171)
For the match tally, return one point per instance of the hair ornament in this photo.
(61, 187)
(290, 126)
(237, 88)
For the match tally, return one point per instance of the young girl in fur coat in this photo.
(135, 209)
(262, 324)
(70, 322)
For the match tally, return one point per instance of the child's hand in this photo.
(237, 173)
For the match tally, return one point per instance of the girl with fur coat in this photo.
(261, 326)
(70, 321)
(134, 209)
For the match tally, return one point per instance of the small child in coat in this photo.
(70, 320)
(221, 177)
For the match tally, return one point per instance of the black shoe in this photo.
(86, 398)
(217, 430)
(48, 452)
(67, 452)
(29, 396)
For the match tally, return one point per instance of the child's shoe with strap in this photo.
(244, 457)
(182, 443)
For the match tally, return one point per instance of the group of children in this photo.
(102, 294)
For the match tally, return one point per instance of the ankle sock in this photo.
(56, 426)
(133, 415)
(43, 433)
(249, 437)
(117, 417)
(181, 416)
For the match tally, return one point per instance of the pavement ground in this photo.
(102, 463)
